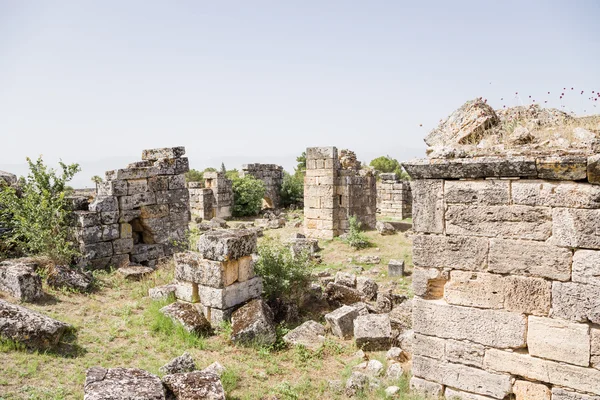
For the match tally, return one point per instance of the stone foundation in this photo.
(394, 198)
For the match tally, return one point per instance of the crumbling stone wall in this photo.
(138, 213)
(215, 199)
(507, 277)
(333, 193)
(272, 177)
(394, 198)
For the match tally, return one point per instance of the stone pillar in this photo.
(222, 190)
(394, 198)
(321, 199)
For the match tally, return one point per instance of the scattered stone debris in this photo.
(367, 286)
(345, 279)
(122, 383)
(310, 334)
(367, 259)
(195, 385)
(72, 278)
(135, 272)
(385, 228)
(358, 382)
(340, 294)
(183, 363)
(162, 292)
(19, 279)
(215, 368)
(370, 368)
(341, 321)
(396, 268)
(394, 371)
(187, 315)
(373, 332)
(253, 324)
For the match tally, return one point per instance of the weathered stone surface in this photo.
(8, 178)
(122, 383)
(215, 368)
(464, 352)
(593, 169)
(527, 295)
(346, 279)
(104, 204)
(453, 394)
(342, 320)
(373, 332)
(135, 272)
(428, 283)
(357, 382)
(231, 295)
(188, 316)
(197, 385)
(525, 390)
(428, 206)
(391, 391)
(396, 268)
(191, 267)
(396, 355)
(569, 376)
(19, 279)
(576, 301)
(367, 259)
(586, 267)
(253, 324)
(227, 245)
(559, 340)
(562, 394)
(485, 192)
(387, 300)
(475, 289)
(576, 228)
(162, 292)
(183, 363)
(428, 388)
(429, 346)
(401, 315)
(310, 334)
(555, 194)
(32, 329)
(462, 377)
(370, 368)
(166, 152)
(340, 294)
(367, 286)
(472, 168)
(65, 277)
(494, 328)
(385, 228)
(564, 168)
(458, 252)
(519, 222)
(595, 347)
(529, 258)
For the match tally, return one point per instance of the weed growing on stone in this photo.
(355, 237)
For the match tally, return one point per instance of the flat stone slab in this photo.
(31, 328)
(135, 272)
(70, 278)
(227, 244)
(19, 279)
(373, 332)
(187, 315)
(253, 324)
(122, 384)
(195, 385)
(310, 334)
(183, 363)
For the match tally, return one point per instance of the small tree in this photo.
(97, 180)
(248, 193)
(292, 190)
(232, 174)
(387, 164)
(301, 166)
(193, 175)
(355, 237)
(223, 169)
(38, 215)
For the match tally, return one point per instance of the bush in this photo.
(387, 164)
(285, 275)
(193, 175)
(248, 193)
(355, 238)
(292, 190)
(37, 213)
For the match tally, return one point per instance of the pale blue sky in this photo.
(95, 82)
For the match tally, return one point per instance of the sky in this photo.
(96, 82)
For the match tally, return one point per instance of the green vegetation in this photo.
(292, 190)
(193, 175)
(387, 164)
(37, 213)
(355, 237)
(301, 166)
(248, 193)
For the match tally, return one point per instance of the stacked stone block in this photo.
(139, 213)
(219, 277)
(272, 177)
(202, 201)
(506, 278)
(222, 189)
(333, 194)
(394, 198)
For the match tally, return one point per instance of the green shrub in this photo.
(37, 213)
(355, 238)
(248, 193)
(387, 164)
(292, 190)
(193, 175)
(285, 275)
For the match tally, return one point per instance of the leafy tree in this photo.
(301, 160)
(387, 164)
(232, 174)
(223, 169)
(96, 179)
(193, 175)
(37, 215)
(292, 190)
(210, 169)
(248, 193)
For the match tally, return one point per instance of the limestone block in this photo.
(485, 192)
(129, 215)
(429, 346)
(518, 257)
(122, 246)
(373, 332)
(593, 169)
(555, 194)
(245, 268)
(19, 279)
(165, 152)
(110, 232)
(137, 186)
(525, 390)
(109, 217)
(230, 296)
(130, 173)
(453, 394)
(172, 196)
(253, 324)
(519, 222)
(104, 203)
(182, 165)
(576, 228)
(595, 347)
(144, 252)
(463, 377)
(188, 316)
(97, 250)
(428, 206)
(310, 334)
(428, 283)
(125, 231)
(562, 168)
(576, 301)
(87, 218)
(562, 394)
(346, 279)
(559, 340)
(195, 385)
(162, 292)
(431, 389)
(157, 183)
(89, 234)
(458, 252)
(464, 352)
(367, 286)
(340, 294)
(396, 268)
(137, 200)
(555, 373)
(586, 267)
(191, 267)
(122, 383)
(475, 289)
(154, 211)
(227, 245)
(471, 168)
(176, 182)
(494, 328)
(187, 292)
(527, 295)
(341, 321)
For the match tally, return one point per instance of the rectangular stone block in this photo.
(104, 203)
(519, 257)
(428, 283)
(559, 340)
(123, 246)
(453, 394)
(119, 260)
(458, 252)
(485, 192)
(165, 152)
(89, 234)
(519, 222)
(176, 182)
(109, 217)
(555, 373)
(227, 245)
(137, 186)
(245, 268)
(20, 281)
(110, 232)
(129, 215)
(172, 196)
(321, 153)
(471, 168)
(555, 194)
(125, 231)
(595, 347)
(428, 206)
(462, 377)
(156, 183)
(191, 267)
(87, 219)
(562, 394)
(593, 169)
(429, 346)
(494, 328)
(130, 173)
(562, 168)
(527, 295)
(576, 301)
(136, 200)
(230, 296)
(97, 250)
(576, 228)
(187, 291)
(525, 390)
(475, 289)
(432, 389)
(112, 188)
(154, 211)
(464, 352)
(586, 267)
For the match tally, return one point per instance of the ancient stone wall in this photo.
(272, 177)
(138, 213)
(394, 198)
(507, 277)
(332, 194)
(215, 199)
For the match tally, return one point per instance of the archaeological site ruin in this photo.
(214, 200)
(272, 177)
(394, 198)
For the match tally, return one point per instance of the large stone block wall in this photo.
(332, 194)
(507, 278)
(215, 199)
(272, 177)
(139, 213)
(394, 198)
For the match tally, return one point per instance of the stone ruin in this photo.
(507, 275)
(394, 198)
(139, 214)
(335, 188)
(215, 199)
(272, 176)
